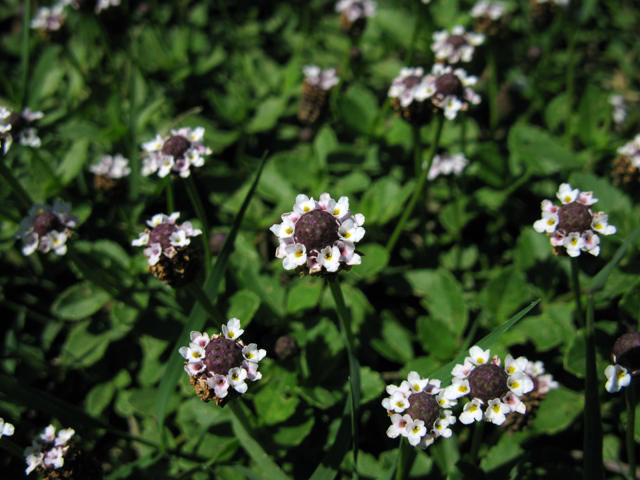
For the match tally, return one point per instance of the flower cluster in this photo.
(6, 429)
(626, 362)
(619, 108)
(18, 126)
(218, 366)
(111, 167)
(487, 15)
(573, 225)
(447, 164)
(49, 19)
(175, 153)
(415, 95)
(489, 385)
(354, 14)
(316, 91)
(168, 253)
(627, 165)
(51, 451)
(418, 411)
(47, 228)
(457, 46)
(319, 237)
(632, 151)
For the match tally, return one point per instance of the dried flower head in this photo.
(447, 164)
(175, 153)
(218, 366)
(573, 225)
(487, 16)
(418, 411)
(486, 383)
(57, 457)
(286, 346)
(416, 96)
(316, 91)
(46, 228)
(457, 46)
(18, 126)
(354, 15)
(169, 254)
(319, 237)
(109, 172)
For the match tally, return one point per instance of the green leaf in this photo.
(84, 346)
(505, 293)
(559, 409)
(243, 305)
(371, 385)
(266, 115)
(79, 301)
(276, 400)
(375, 258)
(198, 316)
(73, 161)
(542, 153)
(304, 295)
(395, 343)
(444, 373)
(292, 436)
(384, 200)
(358, 108)
(444, 297)
(436, 337)
(600, 279)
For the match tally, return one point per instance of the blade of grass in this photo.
(239, 422)
(196, 202)
(444, 373)
(26, 23)
(391, 472)
(600, 279)
(330, 465)
(198, 316)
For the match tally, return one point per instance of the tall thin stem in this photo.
(198, 294)
(26, 27)
(414, 36)
(570, 82)
(196, 202)
(171, 206)
(493, 88)
(575, 286)
(417, 191)
(630, 395)
(476, 442)
(417, 150)
(354, 366)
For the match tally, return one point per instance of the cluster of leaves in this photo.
(89, 341)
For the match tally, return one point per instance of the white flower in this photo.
(479, 356)
(252, 354)
(451, 106)
(416, 382)
(398, 425)
(296, 254)
(547, 223)
(236, 377)
(520, 383)
(496, 412)
(232, 329)
(6, 428)
(141, 241)
(64, 436)
(415, 431)
(546, 383)
(304, 204)
(397, 403)
(445, 402)
(472, 412)
(194, 368)
(350, 232)
(404, 389)
(153, 253)
(617, 377)
(49, 434)
(252, 370)
(591, 241)
(153, 145)
(194, 353)
(34, 460)
(463, 371)
(566, 194)
(57, 242)
(512, 365)
(573, 243)
(179, 238)
(600, 224)
(514, 403)
(329, 258)
(220, 385)
(459, 388)
(440, 428)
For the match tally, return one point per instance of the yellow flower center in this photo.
(298, 253)
(306, 209)
(289, 231)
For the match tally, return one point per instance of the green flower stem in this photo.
(417, 149)
(571, 40)
(408, 58)
(196, 202)
(171, 206)
(26, 27)
(354, 366)
(493, 87)
(198, 294)
(476, 442)
(15, 185)
(463, 132)
(593, 464)
(575, 286)
(417, 192)
(630, 395)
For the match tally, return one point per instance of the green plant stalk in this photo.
(630, 395)
(493, 88)
(196, 202)
(575, 286)
(15, 185)
(408, 58)
(571, 40)
(593, 464)
(476, 442)
(198, 294)
(134, 157)
(354, 366)
(463, 132)
(26, 27)
(417, 191)
(417, 150)
(171, 206)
